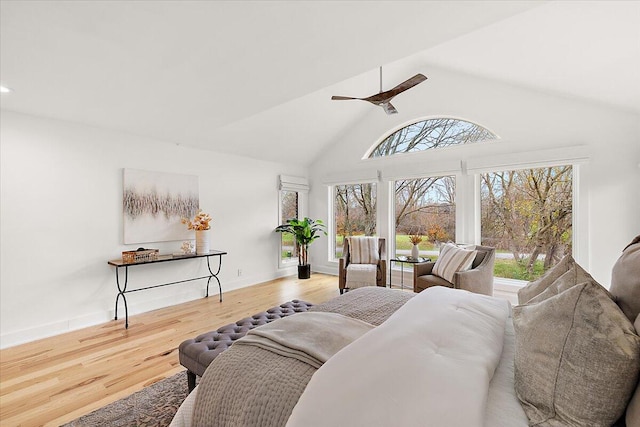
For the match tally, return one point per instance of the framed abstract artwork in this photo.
(154, 203)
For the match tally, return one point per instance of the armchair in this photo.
(478, 279)
(345, 263)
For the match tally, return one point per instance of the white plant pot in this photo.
(202, 242)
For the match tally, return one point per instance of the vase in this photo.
(415, 252)
(202, 242)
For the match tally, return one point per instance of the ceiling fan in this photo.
(383, 99)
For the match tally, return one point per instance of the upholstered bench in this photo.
(196, 354)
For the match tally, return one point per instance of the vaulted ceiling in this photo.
(253, 77)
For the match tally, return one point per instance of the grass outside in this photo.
(402, 242)
(288, 239)
(504, 267)
(512, 269)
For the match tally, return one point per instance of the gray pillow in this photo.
(577, 358)
(570, 278)
(625, 281)
(633, 410)
(538, 286)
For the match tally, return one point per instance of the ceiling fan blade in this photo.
(388, 108)
(389, 94)
(343, 98)
(382, 99)
(408, 84)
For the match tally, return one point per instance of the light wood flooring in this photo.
(55, 380)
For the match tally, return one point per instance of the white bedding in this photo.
(502, 407)
(430, 363)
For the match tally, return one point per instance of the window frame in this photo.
(369, 152)
(332, 227)
(391, 247)
(300, 186)
(283, 263)
(469, 210)
(478, 208)
(466, 165)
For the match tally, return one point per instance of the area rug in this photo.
(152, 406)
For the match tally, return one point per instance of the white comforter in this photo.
(429, 364)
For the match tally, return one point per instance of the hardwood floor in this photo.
(55, 380)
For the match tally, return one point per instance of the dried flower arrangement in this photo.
(200, 221)
(415, 239)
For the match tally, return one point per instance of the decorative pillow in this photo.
(633, 410)
(538, 286)
(364, 250)
(625, 280)
(452, 259)
(570, 278)
(577, 358)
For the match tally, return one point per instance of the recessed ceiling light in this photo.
(4, 89)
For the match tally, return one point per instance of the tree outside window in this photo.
(288, 209)
(432, 133)
(425, 207)
(527, 216)
(354, 212)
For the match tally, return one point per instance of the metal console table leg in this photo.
(122, 288)
(214, 276)
(121, 291)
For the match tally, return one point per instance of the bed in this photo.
(441, 357)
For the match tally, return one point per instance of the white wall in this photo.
(61, 220)
(532, 126)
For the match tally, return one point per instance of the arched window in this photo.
(432, 133)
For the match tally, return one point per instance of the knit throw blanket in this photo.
(308, 337)
(359, 275)
(251, 386)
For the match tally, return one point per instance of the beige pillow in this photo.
(538, 286)
(451, 260)
(625, 281)
(577, 358)
(570, 278)
(633, 410)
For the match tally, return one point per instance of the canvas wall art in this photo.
(154, 203)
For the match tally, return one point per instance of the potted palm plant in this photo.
(305, 232)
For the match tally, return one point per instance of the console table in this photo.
(122, 288)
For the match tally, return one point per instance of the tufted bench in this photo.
(197, 353)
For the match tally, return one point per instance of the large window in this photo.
(354, 213)
(527, 217)
(288, 210)
(432, 133)
(424, 207)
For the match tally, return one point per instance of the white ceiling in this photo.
(251, 77)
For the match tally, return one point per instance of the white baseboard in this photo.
(502, 286)
(325, 269)
(136, 306)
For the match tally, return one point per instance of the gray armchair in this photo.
(478, 279)
(345, 261)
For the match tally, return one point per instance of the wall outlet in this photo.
(239, 272)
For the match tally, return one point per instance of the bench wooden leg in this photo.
(191, 380)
